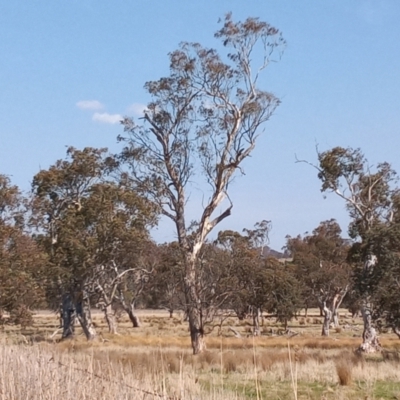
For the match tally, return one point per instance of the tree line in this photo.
(81, 237)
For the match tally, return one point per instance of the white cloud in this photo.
(89, 105)
(137, 109)
(107, 118)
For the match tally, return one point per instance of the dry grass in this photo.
(157, 358)
(344, 372)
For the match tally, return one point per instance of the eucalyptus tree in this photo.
(205, 116)
(22, 264)
(249, 279)
(259, 283)
(87, 221)
(382, 282)
(368, 194)
(320, 261)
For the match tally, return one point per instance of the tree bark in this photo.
(133, 316)
(335, 318)
(370, 342)
(327, 320)
(68, 316)
(256, 321)
(85, 317)
(196, 331)
(130, 310)
(194, 311)
(110, 319)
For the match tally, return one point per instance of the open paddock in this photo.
(155, 361)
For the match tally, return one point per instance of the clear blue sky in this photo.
(69, 69)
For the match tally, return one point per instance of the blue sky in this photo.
(70, 69)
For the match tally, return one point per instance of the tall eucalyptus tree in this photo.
(205, 116)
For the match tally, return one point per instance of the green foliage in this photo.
(87, 219)
(320, 263)
(372, 199)
(368, 195)
(22, 264)
(257, 282)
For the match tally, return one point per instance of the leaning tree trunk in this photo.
(194, 309)
(85, 317)
(68, 316)
(133, 316)
(130, 310)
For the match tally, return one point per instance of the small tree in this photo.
(321, 265)
(284, 298)
(249, 280)
(22, 263)
(207, 115)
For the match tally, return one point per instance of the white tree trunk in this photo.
(335, 318)
(110, 319)
(327, 320)
(370, 342)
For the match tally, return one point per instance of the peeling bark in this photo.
(196, 331)
(370, 342)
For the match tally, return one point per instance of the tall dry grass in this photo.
(156, 361)
(37, 373)
(61, 371)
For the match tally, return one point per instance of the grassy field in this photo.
(155, 361)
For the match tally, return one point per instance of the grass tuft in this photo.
(344, 372)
